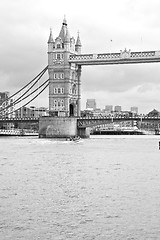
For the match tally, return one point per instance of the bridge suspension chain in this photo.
(37, 89)
(24, 95)
(40, 74)
(19, 99)
(31, 99)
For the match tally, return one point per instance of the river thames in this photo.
(101, 188)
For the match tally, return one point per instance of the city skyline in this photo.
(112, 26)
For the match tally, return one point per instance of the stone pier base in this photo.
(84, 132)
(61, 127)
(57, 127)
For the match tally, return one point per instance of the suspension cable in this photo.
(32, 92)
(30, 100)
(42, 72)
(16, 101)
(25, 96)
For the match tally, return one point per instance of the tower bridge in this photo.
(65, 62)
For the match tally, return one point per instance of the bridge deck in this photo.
(93, 121)
(124, 57)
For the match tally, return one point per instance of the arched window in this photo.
(58, 45)
(74, 89)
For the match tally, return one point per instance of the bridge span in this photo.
(62, 127)
(94, 121)
(87, 121)
(123, 57)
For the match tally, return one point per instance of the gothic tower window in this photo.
(74, 89)
(58, 75)
(55, 103)
(59, 90)
(58, 56)
(55, 90)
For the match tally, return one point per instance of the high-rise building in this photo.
(108, 108)
(91, 104)
(117, 108)
(134, 110)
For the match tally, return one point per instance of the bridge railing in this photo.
(113, 56)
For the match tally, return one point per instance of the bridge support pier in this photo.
(84, 132)
(57, 127)
(61, 127)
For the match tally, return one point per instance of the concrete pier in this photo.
(57, 127)
(61, 127)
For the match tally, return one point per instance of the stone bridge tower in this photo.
(64, 77)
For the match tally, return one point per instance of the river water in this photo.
(101, 188)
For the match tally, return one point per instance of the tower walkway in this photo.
(124, 57)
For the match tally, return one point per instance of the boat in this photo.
(74, 139)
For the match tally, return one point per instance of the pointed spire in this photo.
(67, 36)
(50, 40)
(78, 42)
(64, 21)
(62, 33)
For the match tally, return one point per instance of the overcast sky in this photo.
(131, 24)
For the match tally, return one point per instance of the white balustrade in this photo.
(95, 58)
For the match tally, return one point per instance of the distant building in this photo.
(86, 113)
(108, 108)
(24, 112)
(97, 112)
(153, 113)
(117, 108)
(31, 112)
(6, 105)
(91, 104)
(3, 97)
(41, 111)
(134, 110)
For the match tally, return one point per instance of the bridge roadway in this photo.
(83, 122)
(94, 121)
(123, 57)
(19, 120)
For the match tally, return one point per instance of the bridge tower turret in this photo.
(78, 45)
(64, 77)
(50, 47)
